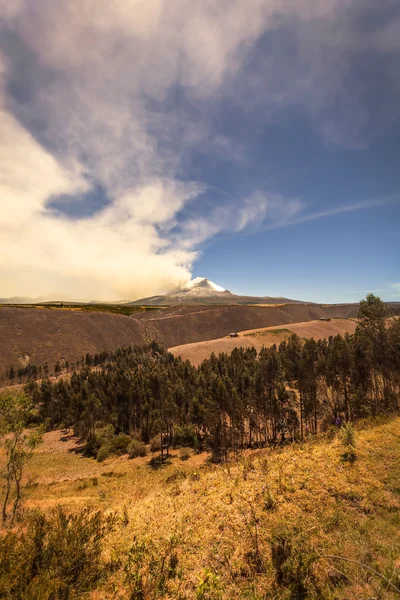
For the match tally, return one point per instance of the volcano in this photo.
(203, 291)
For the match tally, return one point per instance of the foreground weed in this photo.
(209, 586)
(149, 568)
(58, 557)
(292, 559)
(348, 440)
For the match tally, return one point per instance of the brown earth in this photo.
(185, 324)
(199, 351)
(38, 335)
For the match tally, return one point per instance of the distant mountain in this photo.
(198, 291)
(204, 291)
(40, 300)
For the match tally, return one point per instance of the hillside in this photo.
(196, 352)
(275, 522)
(40, 334)
(194, 324)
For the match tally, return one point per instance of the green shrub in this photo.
(105, 433)
(136, 449)
(120, 443)
(209, 586)
(104, 452)
(293, 559)
(347, 435)
(106, 443)
(56, 557)
(268, 498)
(103, 436)
(185, 436)
(348, 440)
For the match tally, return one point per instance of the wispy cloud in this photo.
(362, 291)
(312, 216)
(386, 290)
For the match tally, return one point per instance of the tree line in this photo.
(229, 402)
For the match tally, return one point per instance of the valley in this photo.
(39, 334)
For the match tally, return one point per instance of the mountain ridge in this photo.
(203, 291)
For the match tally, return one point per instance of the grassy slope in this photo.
(214, 513)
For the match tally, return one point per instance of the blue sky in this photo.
(143, 144)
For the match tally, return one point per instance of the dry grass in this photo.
(214, 513)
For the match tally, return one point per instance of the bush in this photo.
(120, 443)
(293, 560)
(349, 442)
(105, 433)
(107, 443)
(104, 452)
(155, 444)
(57, 557)
(185, 436)
(103, 436)
(347, 435)
(136, 449)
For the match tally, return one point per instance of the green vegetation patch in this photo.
(267, 332)
(108, 308)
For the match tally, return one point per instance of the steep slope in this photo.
(38, 335)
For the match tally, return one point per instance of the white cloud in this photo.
(98, 109)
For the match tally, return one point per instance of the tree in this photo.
(16, 411)
(372, 315)
(92, 407)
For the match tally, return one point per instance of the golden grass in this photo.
(215, 511)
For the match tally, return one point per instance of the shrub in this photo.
(155, 444)
(292, 559)
(103, 437)
(104, 452)
(57, 557)
(349, 442)
(120, 443)
(185, 436)
(136, 449)
(268, 498)
(105, 433)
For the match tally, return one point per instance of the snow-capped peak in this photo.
(202, 285)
